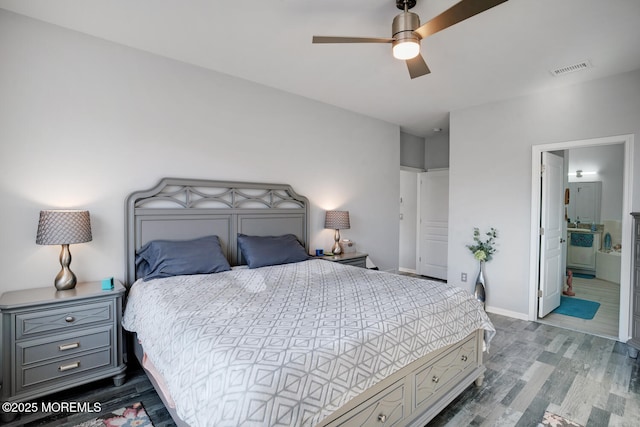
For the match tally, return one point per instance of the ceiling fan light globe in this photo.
(406, 49)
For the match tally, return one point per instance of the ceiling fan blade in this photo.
(335, 39)
(459, 12)
(417, 67)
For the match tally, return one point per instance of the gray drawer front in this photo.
(62, 319)
(35, 376)
(385, 409)
(433, 381)
(44, 349)
(356, 262)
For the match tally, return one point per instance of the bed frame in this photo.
(186, 208)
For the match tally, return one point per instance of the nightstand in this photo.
(53, 340)
(357, 259)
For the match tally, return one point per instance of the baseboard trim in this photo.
(508, 313)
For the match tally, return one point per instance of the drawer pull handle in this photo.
(73, 365)
(464, 358)
(435, 379)
(382, 418)
(69, 319)
(69, 346)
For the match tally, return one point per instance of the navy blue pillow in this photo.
(260, 251)
(165, 258)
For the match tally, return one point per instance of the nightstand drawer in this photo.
(61, 319)
(355, 259)
(356, 262)
(70, 366)
(44, 349)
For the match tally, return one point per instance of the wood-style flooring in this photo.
(531, 367)
(605, 322)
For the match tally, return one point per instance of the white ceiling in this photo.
(505, 52)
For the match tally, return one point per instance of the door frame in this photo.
(627, 193)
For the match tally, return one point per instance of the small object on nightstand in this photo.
(348, 246)
(107, 284)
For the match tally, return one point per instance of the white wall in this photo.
(490, 171)
(436, 151)
(411, 151)
(84, 122)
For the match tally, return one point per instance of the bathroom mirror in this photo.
(585, 200)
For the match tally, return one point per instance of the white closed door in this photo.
(551, 241)
(433, 224)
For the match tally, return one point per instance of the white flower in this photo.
(480, 255)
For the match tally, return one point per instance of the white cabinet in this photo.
(584, 202)
(579, 255)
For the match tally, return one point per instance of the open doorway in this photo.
(613, 219)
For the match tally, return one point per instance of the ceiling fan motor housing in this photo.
(404, 25)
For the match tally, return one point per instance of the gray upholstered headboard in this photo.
(178, 209)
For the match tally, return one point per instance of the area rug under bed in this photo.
(553, 420)
(130, 416)
(576, 307)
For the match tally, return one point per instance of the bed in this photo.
(303, 342)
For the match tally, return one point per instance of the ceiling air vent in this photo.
(571, 68)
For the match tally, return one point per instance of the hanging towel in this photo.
(584, 240)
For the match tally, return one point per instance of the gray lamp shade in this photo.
(338, 220)
(63, 227)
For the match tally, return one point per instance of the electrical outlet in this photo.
(463, 277)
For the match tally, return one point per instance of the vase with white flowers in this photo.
(483, 251)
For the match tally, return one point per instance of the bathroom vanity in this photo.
(582, 247)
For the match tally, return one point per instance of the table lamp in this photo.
(64, 227)
(338, 220)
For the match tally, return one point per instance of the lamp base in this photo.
(65, 279)
(336, 249)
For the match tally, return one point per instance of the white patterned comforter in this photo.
(288, 345)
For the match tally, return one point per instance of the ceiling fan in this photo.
(407, 31)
